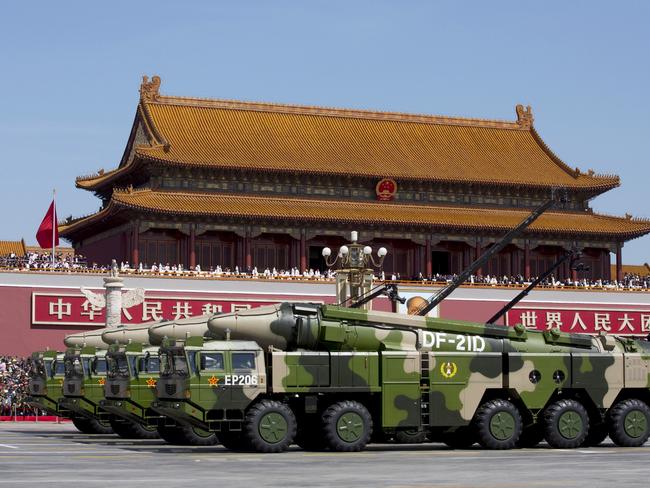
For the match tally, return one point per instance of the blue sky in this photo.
(71, 72)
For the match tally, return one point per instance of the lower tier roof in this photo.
(435, 217)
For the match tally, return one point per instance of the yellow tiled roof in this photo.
(16, 247)
(637, 269)
(274, 137)
(353, 212)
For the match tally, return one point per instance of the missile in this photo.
(90, 338)
(179, 329)
(127, 334)
(289, 326)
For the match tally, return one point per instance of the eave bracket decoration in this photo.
(524, 116)
(149, 90)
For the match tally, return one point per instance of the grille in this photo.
(71, 387)
(36, 388)
(115, 389)
(170, 389)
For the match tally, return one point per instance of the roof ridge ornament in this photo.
(149, 90)
(524, 116)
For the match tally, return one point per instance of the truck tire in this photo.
(566, 424)
(193, 436)
(498, 424)
(629, 423)
(169, 433)
(270, 426)
(347, 426)
(92, 426)
(82, 425)
(410, 436)
(531, 436)
(132, 430)
(461, 438)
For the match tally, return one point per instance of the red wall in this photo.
(103, 250)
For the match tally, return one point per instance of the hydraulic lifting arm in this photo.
(462, 277)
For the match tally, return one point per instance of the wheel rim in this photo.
(273, 427)
(502, 426)
(350, 427)
(570, 424)
(636, 423)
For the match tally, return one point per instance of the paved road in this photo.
(57, 456)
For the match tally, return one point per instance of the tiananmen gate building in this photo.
(216, 182)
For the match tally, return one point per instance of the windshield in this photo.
(99, 366)
(38, 367)
(173, 361)
(73, 366)
(57, 368)
(149, 364)
(117, 364)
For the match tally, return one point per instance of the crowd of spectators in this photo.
(65, 262)
(43, 261)
(14, 380)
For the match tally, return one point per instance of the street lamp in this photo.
(354, 279)
(355, 255)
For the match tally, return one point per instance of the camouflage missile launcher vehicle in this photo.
(46, 381)
(333, 375)
(133, 371)
(83, 388)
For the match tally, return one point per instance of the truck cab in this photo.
(210, 384)
(131, 375)
(46, 381)
(83, 388)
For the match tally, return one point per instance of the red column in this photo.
(303, 251)
(247, 246)
(135, 251)
(427, 251)
(192, 249)
(527, 260)
(619, 262)
(479, 272)
(574, 272)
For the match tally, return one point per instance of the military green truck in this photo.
(133, 371)
(328, 377)
(46, 376)
(83, 388)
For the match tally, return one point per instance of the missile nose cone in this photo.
(264, 325)
(179, 329)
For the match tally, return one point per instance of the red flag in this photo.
(48, 229)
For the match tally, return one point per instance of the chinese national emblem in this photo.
(448, 369)
(213, 380)
(386, 189)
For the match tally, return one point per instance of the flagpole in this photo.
(53, 225)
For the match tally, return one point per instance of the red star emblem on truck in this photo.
(151, 383)
(101, 381)
(213, 380)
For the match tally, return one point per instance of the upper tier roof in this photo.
(275, 137)
(447, 218)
